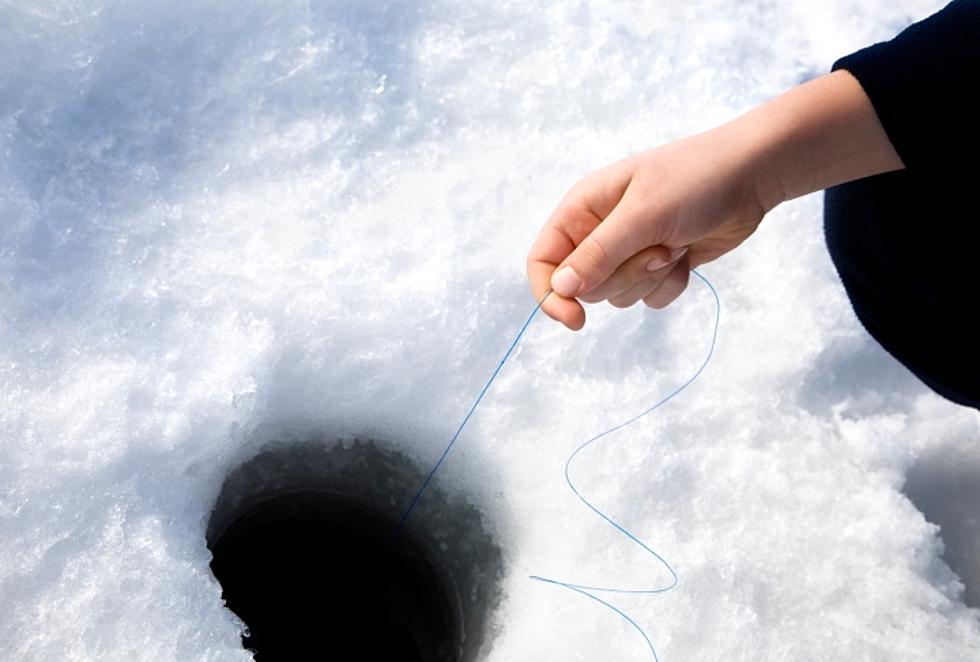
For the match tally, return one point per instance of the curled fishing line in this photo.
(580, 588)
(587, 590)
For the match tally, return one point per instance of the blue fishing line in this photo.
(435, 468)
(580, 588)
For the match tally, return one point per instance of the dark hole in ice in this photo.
(308, 571)
(301, 538)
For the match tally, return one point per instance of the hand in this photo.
(633, 230)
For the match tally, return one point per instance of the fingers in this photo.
(597, 245)
(646, 289)
(671, 287)
(551, 246)
(630, 283)
(576, 216)
(645, 269)
(600, 253)
(567, 311)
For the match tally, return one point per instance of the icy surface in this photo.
(224, 218)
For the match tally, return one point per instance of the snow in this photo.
(228, 220)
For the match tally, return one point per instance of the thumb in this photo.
(613, 241)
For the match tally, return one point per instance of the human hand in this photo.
(634, 229)
(620, 234)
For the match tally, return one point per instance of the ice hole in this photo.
(301, 538)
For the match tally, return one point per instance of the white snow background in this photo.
(224, 219)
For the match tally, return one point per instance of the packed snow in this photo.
(224, 221)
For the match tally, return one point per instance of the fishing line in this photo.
(580, 588)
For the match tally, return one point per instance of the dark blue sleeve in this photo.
(922, 85)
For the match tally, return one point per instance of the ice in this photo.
(226, 220)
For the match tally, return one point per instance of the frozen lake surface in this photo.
(223, 223)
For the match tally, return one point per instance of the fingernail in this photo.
(566, 282)
(659, 262)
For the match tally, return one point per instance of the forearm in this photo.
(820, 134)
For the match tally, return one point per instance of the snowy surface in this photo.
(220, 219)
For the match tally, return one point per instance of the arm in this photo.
(620, 234)
(820, 134)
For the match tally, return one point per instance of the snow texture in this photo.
(225, 221)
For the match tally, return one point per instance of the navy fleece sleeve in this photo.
(923, 85)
